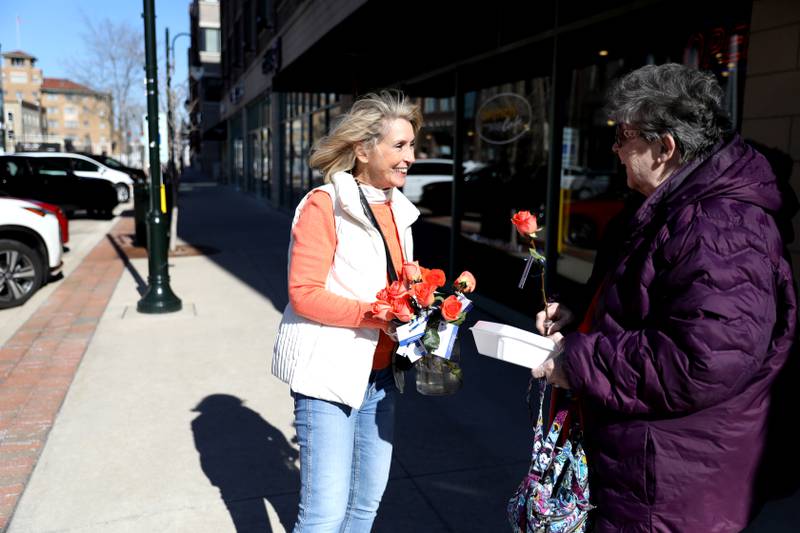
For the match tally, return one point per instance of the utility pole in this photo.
(158, 298)
(171, 166)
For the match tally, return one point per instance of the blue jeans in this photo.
(345, 455)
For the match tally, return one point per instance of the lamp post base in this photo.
(159, 299)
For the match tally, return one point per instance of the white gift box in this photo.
(466, 303)
(447, 339)
(411, 331)
(413, 351)
(511, 344)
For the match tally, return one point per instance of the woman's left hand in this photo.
(551, 369)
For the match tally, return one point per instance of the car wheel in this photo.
(21, 273)
(123, 193)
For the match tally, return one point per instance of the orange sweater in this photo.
(312, 256)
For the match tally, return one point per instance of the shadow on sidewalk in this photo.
(252, 238)
(248, 460)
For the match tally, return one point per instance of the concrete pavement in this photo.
(174, 423)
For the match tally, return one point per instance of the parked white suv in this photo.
(85, 167)
(30, 250)
(433, 170)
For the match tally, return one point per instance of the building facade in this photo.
(80, 116)
(205, 86)
(24, 125)
(22, 79)
(71, 116)
(517, 95)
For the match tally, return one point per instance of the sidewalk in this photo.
(174, 423)
(169, 417)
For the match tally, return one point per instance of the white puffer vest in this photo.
(328, 362)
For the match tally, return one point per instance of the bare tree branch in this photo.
(113, 62)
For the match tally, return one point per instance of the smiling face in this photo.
(647, 164)
(386, 164)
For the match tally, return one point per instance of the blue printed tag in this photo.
(466, 303)
(412, 331)
(413, 351)
(447, 339)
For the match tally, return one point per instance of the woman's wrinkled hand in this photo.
(560, 316)
(552, 369)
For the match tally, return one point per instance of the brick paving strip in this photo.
(39, 361)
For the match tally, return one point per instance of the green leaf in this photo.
(455, 370)
(431, 339)
(460, 320)
(539, 258)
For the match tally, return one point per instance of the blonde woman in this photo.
(337, 358)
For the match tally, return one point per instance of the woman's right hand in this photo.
(560, 316)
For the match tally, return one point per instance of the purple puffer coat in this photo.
(693, 327)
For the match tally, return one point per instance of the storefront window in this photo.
(593, 182)
(299, 152)
(266, 149)
(238, 161)
(309, 116)
(319, 128)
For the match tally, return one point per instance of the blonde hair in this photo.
(367, 122)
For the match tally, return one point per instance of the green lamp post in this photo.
(158, 298)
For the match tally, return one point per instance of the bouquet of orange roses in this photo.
(426, 317)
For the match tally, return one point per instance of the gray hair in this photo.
(674, 99)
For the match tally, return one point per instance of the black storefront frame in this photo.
(560, 71)
(554, 51)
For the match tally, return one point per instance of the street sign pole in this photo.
(158, 298)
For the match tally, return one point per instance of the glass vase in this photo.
(437, 376)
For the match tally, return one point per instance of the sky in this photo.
(50, 30)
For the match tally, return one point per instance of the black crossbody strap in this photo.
(371, 216)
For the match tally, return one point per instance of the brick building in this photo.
(71, 116)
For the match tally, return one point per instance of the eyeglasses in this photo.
(623, 135)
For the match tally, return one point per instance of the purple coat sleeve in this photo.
(712, 309)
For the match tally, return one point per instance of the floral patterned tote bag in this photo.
(554, 496)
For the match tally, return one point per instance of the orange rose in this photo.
(424, 293)
(402, 310)
(434, 277)
(451, 308)
(525, 223)
(381, 310)
(465, 282)
(412, 272)
(395, 291)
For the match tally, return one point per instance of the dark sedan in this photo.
(51, 179)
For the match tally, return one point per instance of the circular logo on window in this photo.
(503, 118)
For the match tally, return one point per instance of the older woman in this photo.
(337, 358)
(675, 362)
